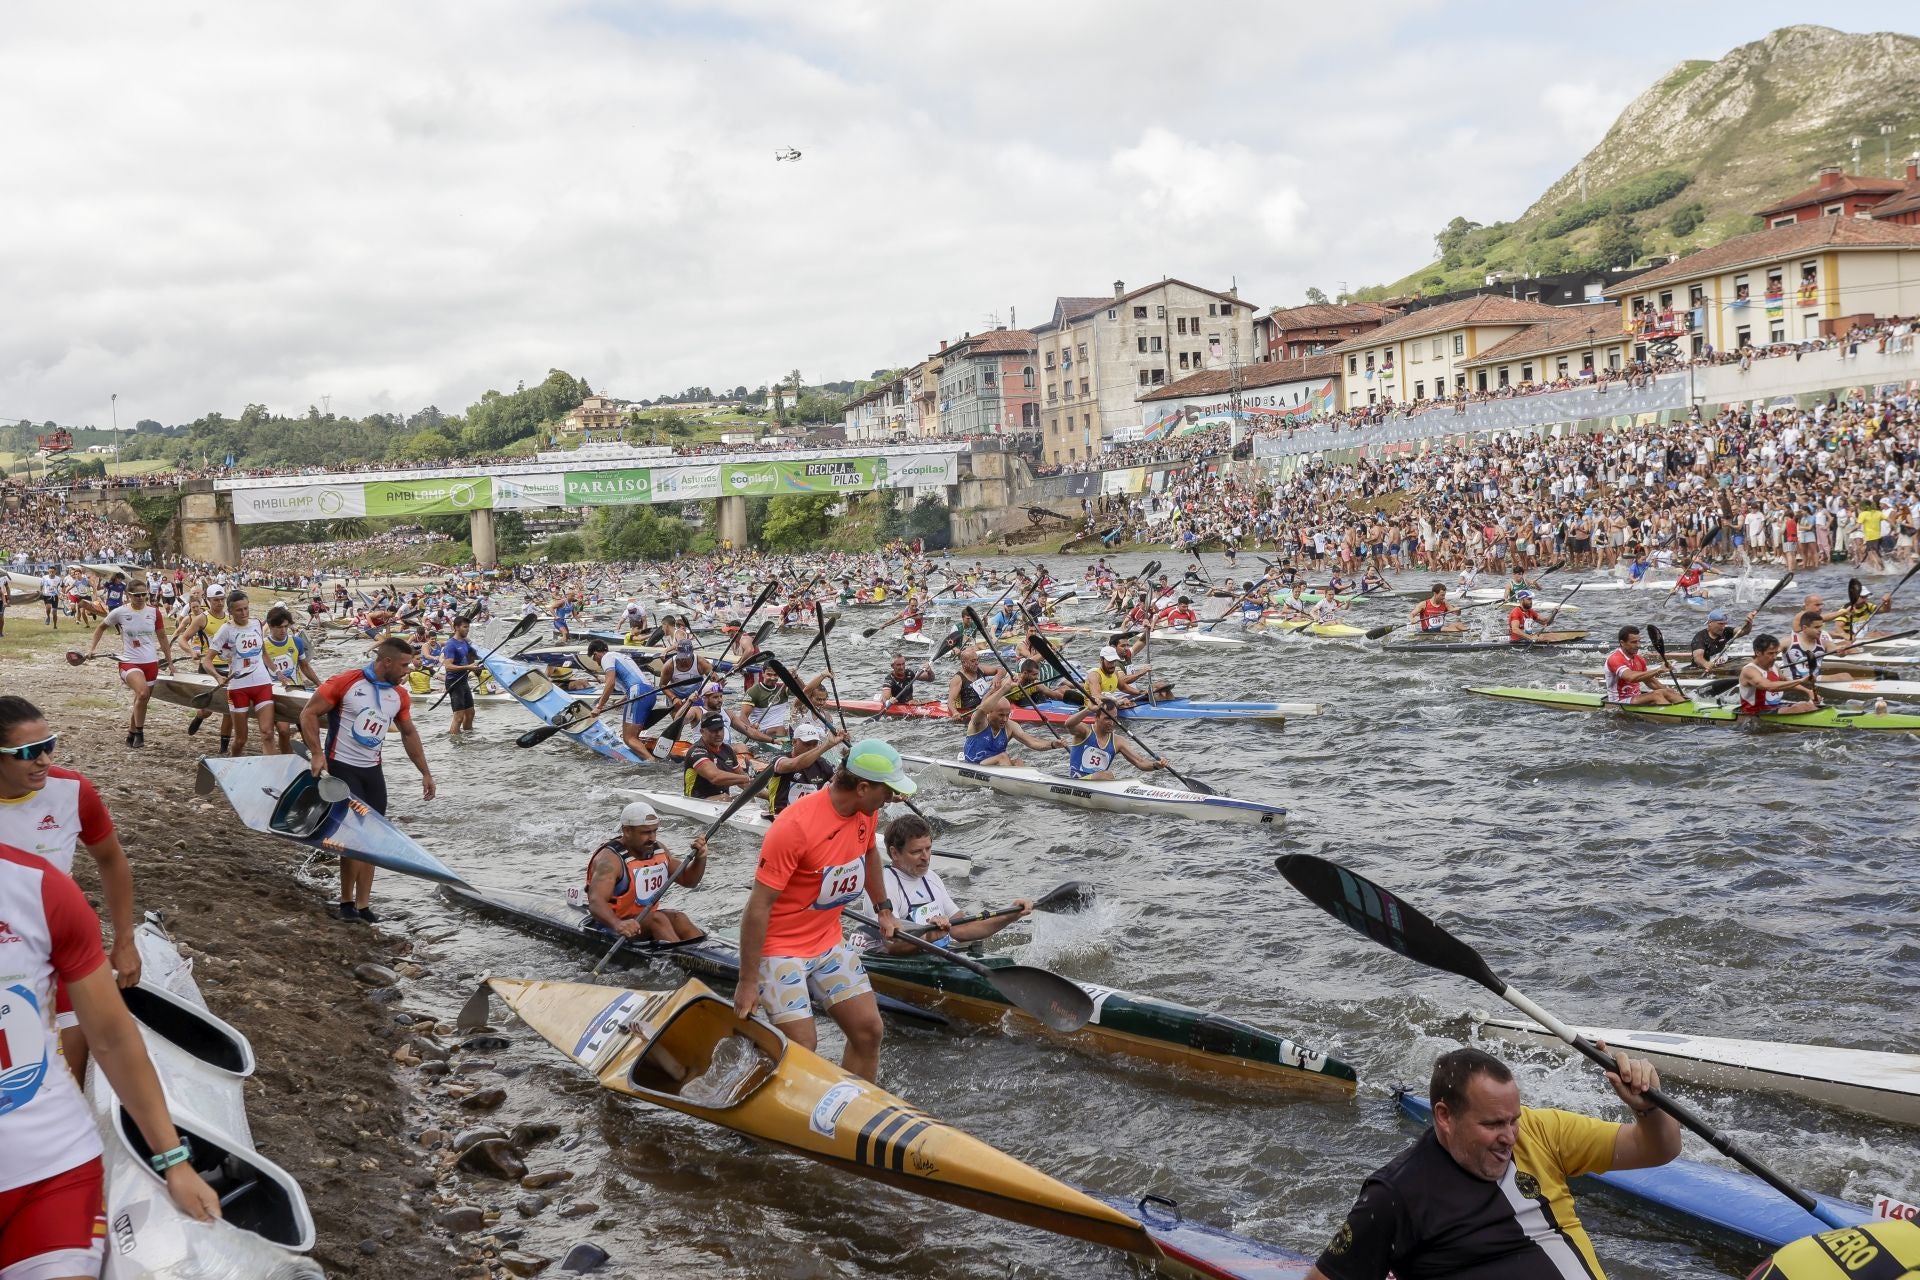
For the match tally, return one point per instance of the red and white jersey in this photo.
(245, 649)
(52, 822)
(139, 632)
(1618, 662)
(363, 710)
(47, 931)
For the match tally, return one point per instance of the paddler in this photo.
(900, 680)
(920, 896)
(801, 771)
(1808, 648)
(991, 726)
(818, 857)
(619, 672)
(1108, 679)
(143, 641)
(683, 671)
(1430, 615)
(1095, 745)
(1522, 620)
(1761, 690)
(1178, 616)
(1484, 1192)
(1688, 583)
(1854, 614)
(1711, 641)
(713, 767)
(628, 873)
(242, 643)
(1629, 681)
(203, 623)
(289, 663)
(969, 685)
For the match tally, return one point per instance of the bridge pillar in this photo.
(480, 526)
(733, 522)
(207, 530)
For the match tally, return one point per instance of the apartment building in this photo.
(1576, 342)
(1293, 333)
(1424, 355)
(1099, 354)
(989, 383)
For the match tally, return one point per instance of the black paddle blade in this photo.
(473, 1014)
(1714, 688)
(1074, 895)
(1778, 587)
(204, 783)
(534, 737)
(1659, 641)
(1365, 907)
(520, 628)
(1061, 1004)
(761, 633)
(1376, 633)
(947, 646)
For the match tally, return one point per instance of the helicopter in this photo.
(786, 153)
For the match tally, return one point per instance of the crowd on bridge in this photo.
(41, 528)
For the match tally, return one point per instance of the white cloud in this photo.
(1584, 110)
(402, 204)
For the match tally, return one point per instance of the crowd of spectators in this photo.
(41, 528)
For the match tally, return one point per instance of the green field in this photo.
(141, 467)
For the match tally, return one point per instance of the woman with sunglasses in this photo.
(47, 811)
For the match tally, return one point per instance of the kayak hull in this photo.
(1061, 712)
(1125, 795)
(277, 796)
(552, 705)
(1825, 718)
(656, 1047)
(1884, 1085)
(181, 689)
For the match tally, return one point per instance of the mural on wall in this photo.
(1170, 421)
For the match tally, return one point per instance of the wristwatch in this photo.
(165, 1160)
(885, 904)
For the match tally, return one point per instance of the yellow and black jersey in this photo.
(1888, 1250)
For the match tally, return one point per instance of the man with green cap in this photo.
(817, 858)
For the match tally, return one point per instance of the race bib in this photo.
(23, 1048)
(982, 686)
(800, 790)
(282, 665)
(369, 729)
(1093, 759)
(841, 884)
(649, 881)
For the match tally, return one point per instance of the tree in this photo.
(797, 521)
(1452, 236)
(1617, 245)
(1315, 297)
(1687, 218)
(565, 548)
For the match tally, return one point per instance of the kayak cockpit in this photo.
(256, 1195)
(706, 1057)
(531, 686)
(191, 1030)
(301, 810)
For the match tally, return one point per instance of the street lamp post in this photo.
(113, 402)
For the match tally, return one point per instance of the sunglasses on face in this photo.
(32, 751)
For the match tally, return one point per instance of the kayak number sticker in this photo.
(1099, 995)
(1888, 1207)
(832, 1105)
(605, 1025)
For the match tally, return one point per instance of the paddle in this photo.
(878, 627)
(1074, 895)
(1052, 655)
(1365, 907)
(947, 646)
(1242, 600)
(520, 628)
(1059, 1003)
(754, 787)
(672, 732)
(799, 691)
(1000, 658)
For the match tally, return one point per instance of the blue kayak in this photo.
(555, 706)
(1187, 709)
(1727, 1205)
(1196, 1249)
(279, 796)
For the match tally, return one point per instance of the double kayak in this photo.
(1885, 1085)
(180, 691)
(552, 705)
(1721, 1204)
(1120, 795)
(203, 1064)
(278, 796)
(1693, 712)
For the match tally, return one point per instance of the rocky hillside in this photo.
(1690, 159)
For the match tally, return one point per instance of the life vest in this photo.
(641, 880)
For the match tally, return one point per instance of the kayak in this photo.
(1886, 1085)
(1898, 690)
(1061, 712)
(180, 691)
(1825, 718)
(1545, 640)
(686, 1051)
(555, 706)
(278, 796)
(1195, 635)
(1327, 630)
(1121, 795)
(203, 1064)
(1201, 1252)
(749, 817)
(1137, 1026)
(1727, 1205)
(714, 958)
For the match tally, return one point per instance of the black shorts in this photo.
(365, 781)
(460, 696)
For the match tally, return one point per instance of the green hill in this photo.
(1690, 159)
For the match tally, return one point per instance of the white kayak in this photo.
(203, 1065)
(1886, 1085)
(1893, 690)
(750, 817)
(1122, 795)
(1195, 635)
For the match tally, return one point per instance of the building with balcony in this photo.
(1835, 193)
(595, 413)
(1293, 333)
(1574, 343)
(990, 383)
(1424, 354)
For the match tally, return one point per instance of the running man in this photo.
(143, 639)
(818, 857)
(243, 646)
(457, 663)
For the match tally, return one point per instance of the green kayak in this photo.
(1825, 718)
(1123, 1023)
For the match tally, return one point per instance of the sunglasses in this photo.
(32, 751)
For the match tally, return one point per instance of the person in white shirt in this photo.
(143, 639)
(921, 898)
(250, 683)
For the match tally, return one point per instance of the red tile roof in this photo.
(1328, 315)
(1848, 185)
(1483, 309)
(1261, 373)
(1572, 327)
(1899, 204)
(1773, 243)
(1012, 341)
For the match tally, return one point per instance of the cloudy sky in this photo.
(400, 204)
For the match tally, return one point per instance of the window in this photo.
(1741, 288)
(1414, 350)
(1831, 211)
(1153, 343)
(1026, 376)
(1213, 308)
(1183, 359)
(1742, 337)
(1353, 364)
(1143, 377)
(1180, 325)
(1460, 381)
(1159, 313)
(1139, 313)
(1460, 346)
(1526, 372)
(1480, 380)
(1369, 359)
(1778, 333)
(1419, 391)
(1082, 351)
(1613, 358)
(1073, 455)
(1696, 295)
(1787, 221)
(1143, 344)
(1159, 376)
(987, 377)
(1053, 393)
(1049, 359)
(1083, 388)
(1226, 308)
(1086, 432)
(1113, 313)
(1504, 381)
(1437, 350)
(1196, 361)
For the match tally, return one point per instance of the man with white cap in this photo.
(1111, 680)
(818, 857)
(1711, 641)
(628, 874)
(801, 771)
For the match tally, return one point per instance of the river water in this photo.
(1684, 878)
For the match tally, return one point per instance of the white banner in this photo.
(686, 484)
(529, 493)
(924, 472)
(299, 502)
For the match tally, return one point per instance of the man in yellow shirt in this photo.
(1872, 527)
(1484, 1192)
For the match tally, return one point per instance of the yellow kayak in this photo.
(686, 1050)
(1331, 629)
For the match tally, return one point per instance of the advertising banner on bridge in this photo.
(826, 475)
(686, 484)
(529, 493)
(451, 497)
(923, 472)
(609, 488)
(298, 502)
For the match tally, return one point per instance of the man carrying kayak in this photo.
(920, 896)
(1484, 1191)
(991, 731)
(818, 857)
(1712, 640)
(635, 687)
(1629, 681)
(628, 873)
(1095, 745)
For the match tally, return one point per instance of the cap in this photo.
(876, 761)
(638, 814)
(712, 686)
(1523, 594)
(685, 645)
(713, 720)
(807, 731)
(1717, 615)
(215, 591)
(1110, 654)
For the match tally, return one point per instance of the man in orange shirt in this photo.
(817, 858)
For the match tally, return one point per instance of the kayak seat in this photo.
(301, 811)
(531, 685)
(186, 1028)
(255, 1194)
(681, 1053)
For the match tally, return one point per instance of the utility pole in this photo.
(1886, 149)
(1855, 142)
(113, 402)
